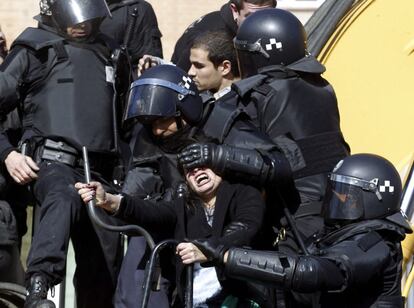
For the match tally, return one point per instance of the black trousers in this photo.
(63, 216)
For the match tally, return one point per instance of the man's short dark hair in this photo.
(239, 3)
(219, 45)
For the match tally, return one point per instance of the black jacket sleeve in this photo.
(13, 72)
(145, 37)
(246, 217)
(148, 214)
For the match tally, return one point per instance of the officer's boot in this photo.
(37, 293)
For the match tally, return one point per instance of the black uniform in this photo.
(298, 110)
(62, 86)
(358, 265)
(145, 37)
(214, 21)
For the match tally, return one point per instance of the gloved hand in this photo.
(202, 155)
(212, 249)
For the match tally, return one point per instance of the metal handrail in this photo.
(154, 263)
(134, 230)
(139, 231)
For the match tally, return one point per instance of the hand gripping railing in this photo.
(154, 263)
(152, 279)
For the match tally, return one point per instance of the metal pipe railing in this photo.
(135, 230)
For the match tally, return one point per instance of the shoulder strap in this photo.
(37, 39)
(59, 55)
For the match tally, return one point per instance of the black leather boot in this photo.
(37, 293)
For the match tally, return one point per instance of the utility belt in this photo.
(59, 151)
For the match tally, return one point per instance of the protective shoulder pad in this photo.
(246, 85)
(37, 39)
(221, 120)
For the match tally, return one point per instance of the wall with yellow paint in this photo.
(370, 62)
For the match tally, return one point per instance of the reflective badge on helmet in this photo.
(187, 82)
(387, 185)
(275, 43)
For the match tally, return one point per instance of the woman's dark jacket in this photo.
(238, 217)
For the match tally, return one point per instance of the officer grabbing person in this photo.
(284, 94)
(65, 91)
(356, 261)
(165, 100)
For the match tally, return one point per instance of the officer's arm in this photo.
(256, 166)
(12, 72)
(146, 38)
(298, 273)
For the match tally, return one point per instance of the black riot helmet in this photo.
(164, 91)
(363, 186)
(269, 37)
(67, 13)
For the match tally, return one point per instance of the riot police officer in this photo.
(356, 262)
(144, 37)
(65, 91)
(282, 91)
(162, 93)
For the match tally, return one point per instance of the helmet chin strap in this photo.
(179, 122)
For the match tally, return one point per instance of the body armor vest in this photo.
(75, 99)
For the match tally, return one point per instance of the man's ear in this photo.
(225, 67)
(234, 11)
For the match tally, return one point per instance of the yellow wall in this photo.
(370, 62)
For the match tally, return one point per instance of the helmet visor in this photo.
(250, 47)
(147, 104)
(152, 98)
(68, 13)
(343, 202)
(246, 64)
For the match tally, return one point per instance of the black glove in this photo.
(202, 155)
(212, 249)
(250, 165)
